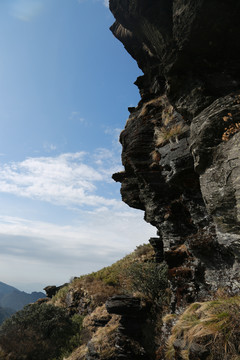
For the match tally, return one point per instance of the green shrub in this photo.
(143, 249)
(39, 332)
(60, 296)
(76, 339)
(109, 275)
(148, 278)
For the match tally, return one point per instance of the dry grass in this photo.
(157, 102)
(156, 157)
(78, 354)
(122, 32)
(104, 339)
(167, 114)
(168, 134)
(146, 48)
(96, 289)
(169, 317)
(99, 313)
(214, 324)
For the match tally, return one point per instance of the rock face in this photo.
(129, 335)
(124, 305)
(181, 144)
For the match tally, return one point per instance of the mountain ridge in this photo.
(5, 288)
(14, 299)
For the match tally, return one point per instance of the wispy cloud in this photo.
(101, 231)
(67, 179)
(115, 134)
(48, 147)
(107, 162)
(25, 10)
(76, 116)
(50, 253)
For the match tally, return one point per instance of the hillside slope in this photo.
(125, 311)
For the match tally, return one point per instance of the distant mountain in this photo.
(12, 299)
(6, 289)
(18, 299)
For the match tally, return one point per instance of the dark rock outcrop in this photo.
(181, 143)
(124, 305)
(51, 290)
(129, 335)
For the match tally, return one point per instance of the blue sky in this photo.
(65, 85)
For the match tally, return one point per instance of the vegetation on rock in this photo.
(98, 286)
(149, 279)
(170, 133)
(212, 327)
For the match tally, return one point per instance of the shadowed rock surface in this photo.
(181, 143)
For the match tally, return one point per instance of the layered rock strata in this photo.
(181, 142)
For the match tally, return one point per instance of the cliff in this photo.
(181, 142)
(181, 145)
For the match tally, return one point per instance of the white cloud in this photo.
(67, 179)
(49, 253)
(115, 134)
(99, 229)
(108, 161)
(25, 10)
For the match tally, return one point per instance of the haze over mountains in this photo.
(12, 299)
